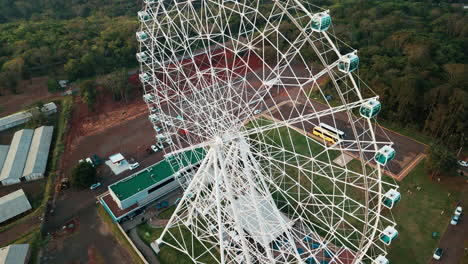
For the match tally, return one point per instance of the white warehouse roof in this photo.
(38, 152)
(13, 167)
(24, 116)
(3, 154)
(14, 254)
(13, 204)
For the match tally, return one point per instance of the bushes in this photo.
(83, 175)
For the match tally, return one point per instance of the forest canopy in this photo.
(413, 54)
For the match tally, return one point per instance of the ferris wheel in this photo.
(270, 132)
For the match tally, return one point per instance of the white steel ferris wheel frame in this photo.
(232, 169)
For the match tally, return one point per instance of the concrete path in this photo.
(142, 247)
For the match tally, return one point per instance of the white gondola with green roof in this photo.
(388, 235)
(144, 77)
(391, 198)
(370, 108)
(148, 97)
(349, 62)
(320, 21)
(143, 16)
(384, 155)
(141, 36)
(142, 56)
(381, 260)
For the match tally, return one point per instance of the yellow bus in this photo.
(325, 134)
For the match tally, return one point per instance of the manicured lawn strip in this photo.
(117, 234)
(169, 255)
(166, 214)
(418, 215)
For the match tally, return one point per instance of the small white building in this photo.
(117, 158)
(13, 204)
(14, 254)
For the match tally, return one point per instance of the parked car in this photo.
(81, 160)
(97, 161)
(94, 186)
(154, 148)
(458, 210)
(438, 253)
(455, 220)
(153, 109)
(133, 166)
(88, 159)
(160, 145)
(256, 112)
(462, 163)
(169, 141)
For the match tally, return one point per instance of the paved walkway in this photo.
(142, 247)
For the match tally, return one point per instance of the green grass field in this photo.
(169, 255)
(417, 215)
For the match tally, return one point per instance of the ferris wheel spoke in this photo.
(238, 84)
(304, 118)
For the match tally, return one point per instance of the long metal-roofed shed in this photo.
(152, 182)
(13, 204)
(24, 116)
(3, 155)
(14, 254)
(38, 153)
(12, 170)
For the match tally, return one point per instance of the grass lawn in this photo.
(169, 255)
(418, 215)
(166, 214)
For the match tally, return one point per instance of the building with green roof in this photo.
(155, 181)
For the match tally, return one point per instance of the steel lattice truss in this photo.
(266, 190)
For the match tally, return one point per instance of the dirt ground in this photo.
(29, 92)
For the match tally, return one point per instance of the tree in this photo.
(83, 175)
(440, 160)
(53, 85)
(88, 93)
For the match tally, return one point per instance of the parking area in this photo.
(409, 152)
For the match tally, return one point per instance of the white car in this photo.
(455, 220)
(154, 148)
(88, 159)
(153, 110)
(81, 160)
(256, 112)
(94, 186)
(462, 163)
(438, 253)
(160, 145)
(170, 142)
(133, 166)
(459, 210)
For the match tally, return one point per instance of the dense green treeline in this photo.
(13, 10)
(77, 48)
(413, 54)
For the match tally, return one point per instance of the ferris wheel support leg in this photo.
(206, 161)
(230, 193)
(247, 155)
